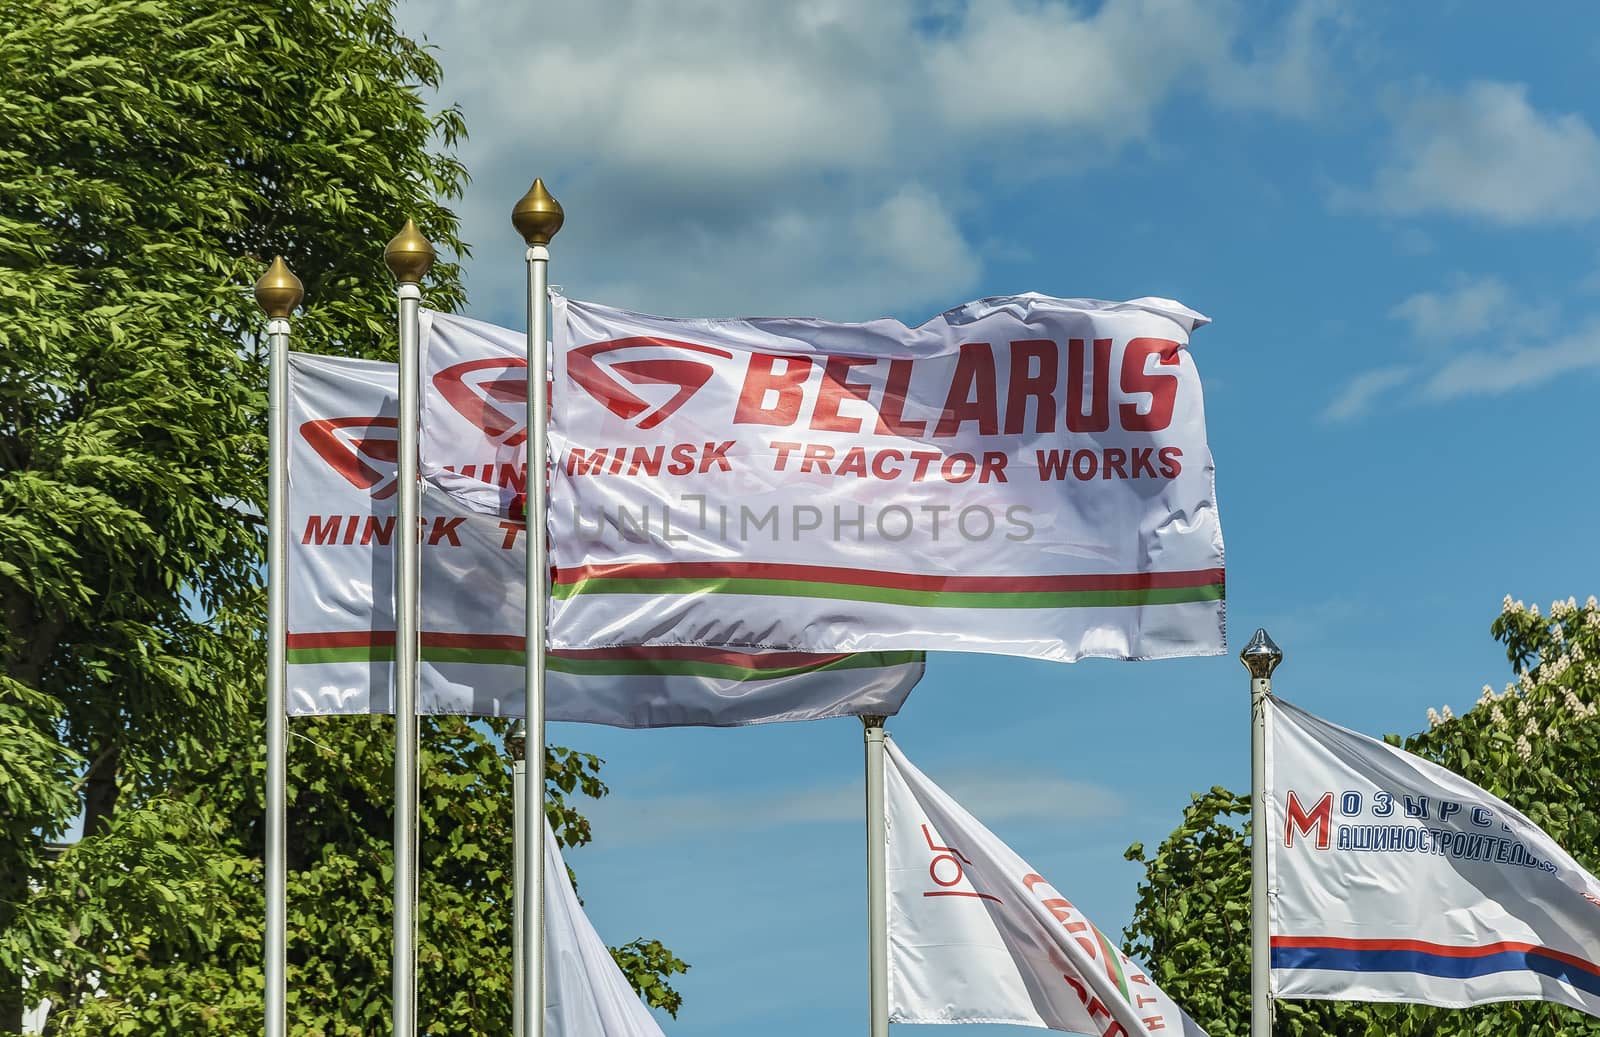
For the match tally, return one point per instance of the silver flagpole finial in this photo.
(1261, 656)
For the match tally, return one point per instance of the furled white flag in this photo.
(342, 416)
(1394, 879)
(1021, 475)
(586, 994)
(977, 936)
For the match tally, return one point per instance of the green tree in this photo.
(153, 155)
(1534, 744)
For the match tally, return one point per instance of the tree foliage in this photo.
(153, 155)
(1535, 744)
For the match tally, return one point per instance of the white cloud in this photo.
(1487, 152)
(812, 155)
(1490, 372)
(1472, 307)
(1361, 392)
(992, 796)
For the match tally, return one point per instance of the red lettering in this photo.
(763, 377)
(1141, 461)
(512, 476)
(1098, 418)
(1059, 909)
(445, 529)
(1170, 457)
(1025, 384)
(1078, 467)
(784, 450)
(374, 529)
(322, 530)
(1319, 818)
(1053, 463)
(591, 464)
(972, 393)
(350, 529)
(958, 467)
(715, 453)
(1163, 388)
(816, 454)
(835, 388)
(891, 413)
(994, 464)
(1115, 458)
(512, 529)
(682, 459)
(880, 467)
(619, 455)
(646, 460)
(924, 458)
(854, 463)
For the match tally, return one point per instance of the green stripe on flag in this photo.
(1116, 964)
(724, 671)
(896, 595)
(385, 654)
(602, 667)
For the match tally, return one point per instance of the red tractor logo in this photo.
(363, 450)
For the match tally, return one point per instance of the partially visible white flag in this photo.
(586, 994)
(341, 593)
(977, 936)
(1394, 879)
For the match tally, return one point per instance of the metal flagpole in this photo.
(537, 217)
(517, 744)
(278, 293)
(877, 883)
(409, 257)
(1261, 656)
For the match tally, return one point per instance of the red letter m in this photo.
(1320, 818)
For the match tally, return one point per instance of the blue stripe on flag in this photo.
(1467, 965)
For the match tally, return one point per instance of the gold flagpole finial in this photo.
(408, 255)
(279, 291)
(537, 216)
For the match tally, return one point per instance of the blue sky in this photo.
(1390, 217)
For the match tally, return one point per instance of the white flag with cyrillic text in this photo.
(1394, 879)
(977, 936)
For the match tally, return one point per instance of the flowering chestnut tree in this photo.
(1534, 743)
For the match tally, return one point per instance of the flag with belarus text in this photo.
(341, 632)
(586, 994)
(1394, 879)
(1020, 475)
(977, 936)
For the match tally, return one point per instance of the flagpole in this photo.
(278, 292)
(1261, 656)
(517, 744)
(877, 883)
(409, 257)
(537, 217)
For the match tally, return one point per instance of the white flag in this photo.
(977, 936)
(1394, 879)
(1021, 475)
(341, 624)
(586, 994)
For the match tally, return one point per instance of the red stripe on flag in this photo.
(699, 654)
(1437, 949)
(878, 578)
(385, 639)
